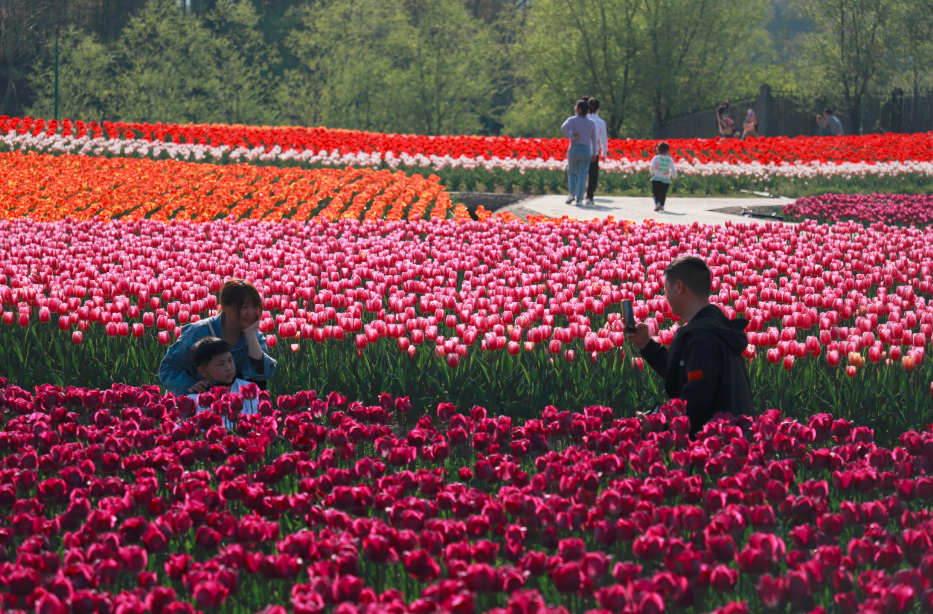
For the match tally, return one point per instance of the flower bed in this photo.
(509, 316)
(120, 500)
(901, 209)
(51, 188)
(713, 164)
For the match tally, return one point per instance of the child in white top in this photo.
(214, 362)
(663, 172)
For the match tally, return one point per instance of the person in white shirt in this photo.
(583, 147)
(602, 140)
(215, 364)
(663, 172)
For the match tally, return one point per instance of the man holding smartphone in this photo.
(704, 365)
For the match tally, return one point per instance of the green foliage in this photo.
(461, 66)
(419, 67)
(850, 49)
(85, 88)
(644, 60)
(884, 397)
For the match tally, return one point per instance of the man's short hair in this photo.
(207, 349)
(828, 111)
(693, 272)
(594, 105)
(664, 148)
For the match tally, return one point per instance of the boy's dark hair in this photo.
(828, 111)
(207, 349)
(235, 292)
(664, 148)
(583, 106)
(693, 272)
(594, 105)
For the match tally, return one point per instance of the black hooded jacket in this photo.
(705, 367)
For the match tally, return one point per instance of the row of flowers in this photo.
(887, 208)
(766, 158)
(51, 188)
(124, 500)
(844, 293)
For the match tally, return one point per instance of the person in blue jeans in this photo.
(237, 323)
(583, 147)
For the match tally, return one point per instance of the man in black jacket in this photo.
(704, 365)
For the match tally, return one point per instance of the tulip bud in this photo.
(77, 337)
(271, 341)
(165, 338)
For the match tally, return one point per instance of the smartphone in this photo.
(629, 315)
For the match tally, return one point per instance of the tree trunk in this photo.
(10, 86)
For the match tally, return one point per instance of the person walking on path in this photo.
(663, 172)
(582, 134)
(603, 142)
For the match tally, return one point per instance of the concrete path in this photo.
(678, 210)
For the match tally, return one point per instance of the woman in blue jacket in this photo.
(237, 323)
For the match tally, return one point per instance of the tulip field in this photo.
(451, 427)
(51, 188)
(509, 316)
(119, 500)
(901, 209)
(897, 163)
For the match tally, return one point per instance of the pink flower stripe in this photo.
(843, 293)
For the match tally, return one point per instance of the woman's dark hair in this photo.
(207, 349)
(584, 106)
(236, 292)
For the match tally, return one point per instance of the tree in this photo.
(343, 57)
(578, 47)
(441, 69)
(172, 67)
(699, 51)
(850, 50)
(396, 66)
(23, 25)
(85, 78)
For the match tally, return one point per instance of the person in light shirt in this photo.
(603, 142)
(583, 148)
(237, 322)
(215, 364)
